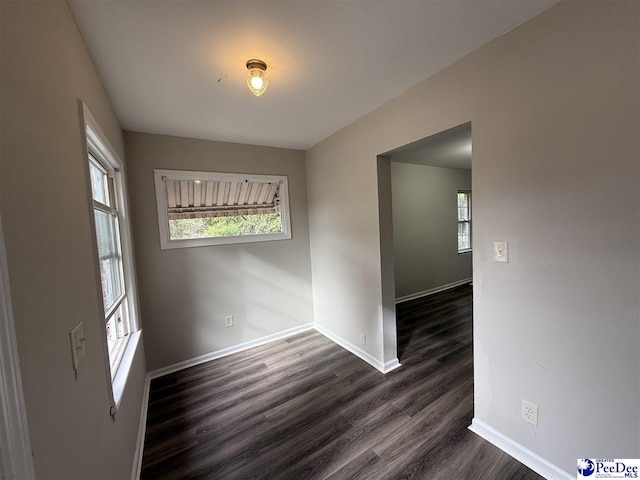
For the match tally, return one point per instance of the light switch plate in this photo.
(501, 252)
(77, 338)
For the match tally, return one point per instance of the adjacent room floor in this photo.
(304, 408)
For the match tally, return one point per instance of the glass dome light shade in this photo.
(256, 77)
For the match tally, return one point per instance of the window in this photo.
(464, 221)
(114, 259)
(107, 222)
(206, 208)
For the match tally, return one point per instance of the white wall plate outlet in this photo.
(228, 321)
(529, 412)
(501, 252)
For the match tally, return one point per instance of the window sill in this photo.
(122, 374)
(116, 352)
(209, 241)
(462, 252)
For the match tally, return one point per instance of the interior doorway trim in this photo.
(15, 446)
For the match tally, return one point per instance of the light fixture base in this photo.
(255, 63)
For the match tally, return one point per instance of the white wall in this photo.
(185, 293)
(45, 211)
(425, 226)
(555, 112)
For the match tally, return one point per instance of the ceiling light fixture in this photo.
(256, 76)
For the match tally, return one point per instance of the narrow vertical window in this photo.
(464, 221)
(114, 296)
(117, 306)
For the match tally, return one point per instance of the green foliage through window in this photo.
(237, 225)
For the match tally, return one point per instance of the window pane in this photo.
(464, 221)
(464, 236)
(99, 187)
(463, 206)
(225, 226)
(108, 251)
(464, 242)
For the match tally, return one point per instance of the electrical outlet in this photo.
(228, 321)
(363, 338)
(529, 412)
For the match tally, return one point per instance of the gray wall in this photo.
(425, 226)
(554, 106)
(185, 293)
(45, 211)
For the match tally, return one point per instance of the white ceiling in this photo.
(177, 67)
(448, 149)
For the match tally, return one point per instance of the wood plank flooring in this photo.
(304, 408)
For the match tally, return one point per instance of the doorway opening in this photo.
(426, 225)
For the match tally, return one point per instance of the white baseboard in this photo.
(142, 430)
(525, 456)
(383, 367)
(137, 460)
(431, 291)
(229, 351)
(391, 365)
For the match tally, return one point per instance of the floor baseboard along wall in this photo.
(525, 456)
(137, 461)
(358, 352)
(207, 357)
(142, 430)
(431, 291)
(507, 445)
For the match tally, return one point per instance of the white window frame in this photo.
(97, 142)
(119, 306)
(470, 249)
(163, 221)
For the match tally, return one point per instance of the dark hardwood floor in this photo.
(304, 408)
